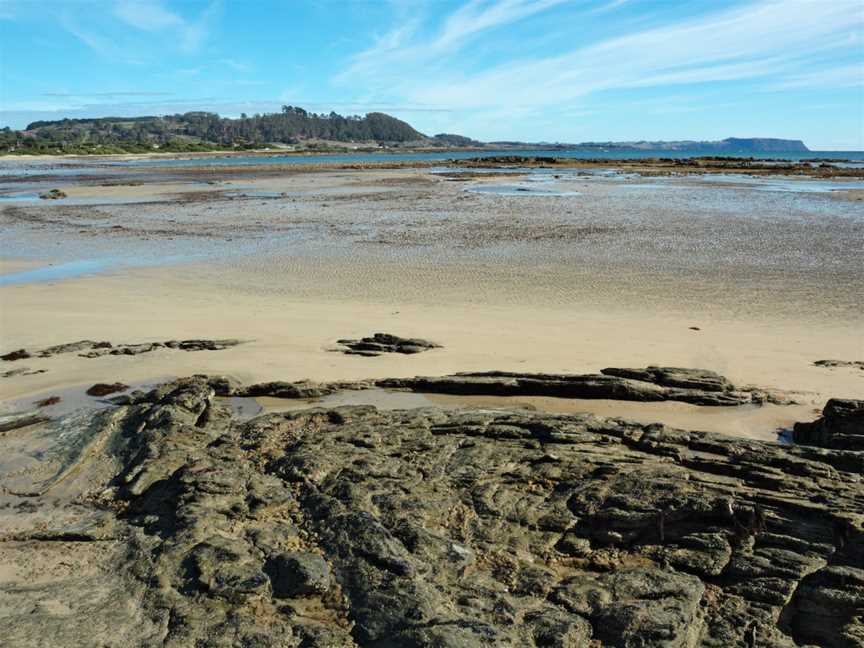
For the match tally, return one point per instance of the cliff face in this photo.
(761, 145)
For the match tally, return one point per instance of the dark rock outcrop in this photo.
(696, 386)
(301, 389)
(833, 364)
(96, 349)
(675, 377)
(360, 527)
(841, 426)
(20, 354)
(386, 343)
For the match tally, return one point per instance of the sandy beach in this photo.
(464, 324)
(512, 270)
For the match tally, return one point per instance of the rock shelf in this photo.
(360, 527)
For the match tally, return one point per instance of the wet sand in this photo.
(619, 275)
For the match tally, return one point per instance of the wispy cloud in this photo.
(235, 65)
(842, 76)
(767, 39)
(137, 31)
(149, 16)
(403, 45)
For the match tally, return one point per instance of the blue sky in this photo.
(553, 70)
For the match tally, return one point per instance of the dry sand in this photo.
(290, 339)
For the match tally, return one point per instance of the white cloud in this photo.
(137, 31)
(767, 39)
(475, 17)
(235, 65)
(841, 76)
(149, 16)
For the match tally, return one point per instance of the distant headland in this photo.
(294, 128)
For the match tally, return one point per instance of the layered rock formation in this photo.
(841, 426)
(696, 386)
(95, 349)
(359, 527)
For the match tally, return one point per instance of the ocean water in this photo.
(853, 157)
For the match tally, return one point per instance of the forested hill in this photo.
(206, 131)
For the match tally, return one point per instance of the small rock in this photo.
(386, 343)
(20, 354)
(103, 389)
(45, 402)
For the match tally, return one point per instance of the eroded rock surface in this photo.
(386, 343)
(360, 527)
(96, 349)
(696, 386)
(840, 426)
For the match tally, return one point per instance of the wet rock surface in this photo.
(96, 349)
(695, 386)
(360, 527)
(841, 426)
(386, 343)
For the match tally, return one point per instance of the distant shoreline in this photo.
(587, 154)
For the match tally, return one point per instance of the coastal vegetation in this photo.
(295, 128)
(206, 131)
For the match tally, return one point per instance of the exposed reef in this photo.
(695, 386)
(181, 525)
(386, 343)
(670, 166)
(833, 364)
(96, 349)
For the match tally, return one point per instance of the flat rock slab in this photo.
(696, 386)
(96, 349)
(360, 527)
(386, 343)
